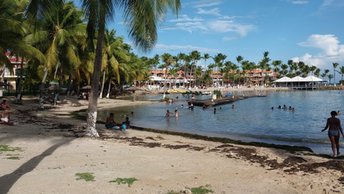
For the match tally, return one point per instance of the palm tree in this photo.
(185, 59)
(116, 54)
(206, 56)
(276, 64)
(284, 69)
(341, 71)
(140, 17)
(195, 56)
(329, 76)
(12, 32)
(57, 35)
(335, 65)
(264, 64)
(219, 61)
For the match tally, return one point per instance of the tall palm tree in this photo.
(341, 71)
(335, 65)
(195, 56)
(57, 35)
(205, 57)
(185, 60)
(276, 64)
(115, 55)
(168, 61)
(140, 16)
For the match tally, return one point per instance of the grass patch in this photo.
(201, 190)
(174, 192)
(13, 158)
(195, 190)
(7, 148)
(128, 181)
(87, 176)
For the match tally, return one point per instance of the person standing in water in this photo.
(334, 130)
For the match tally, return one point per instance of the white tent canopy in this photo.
(297, 79)
(155, 78)
(312, 78)
(283, 79)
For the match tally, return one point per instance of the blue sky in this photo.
(308, 30)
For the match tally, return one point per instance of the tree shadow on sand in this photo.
(7, 181)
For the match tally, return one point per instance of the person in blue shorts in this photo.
(334, 130)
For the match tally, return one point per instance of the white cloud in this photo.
(328, 43)
(223, 26)
(327, 2)
(331, 51)
(300, 2)
(185, 23)
(207, 3)
(214, 11)
(184, 48)
(228, 38)
(196, 24)
(337, 3)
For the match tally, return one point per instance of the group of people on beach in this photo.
(110, 123)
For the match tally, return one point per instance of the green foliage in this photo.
(217, 93)
(87, 176)
(13, 158)
(201, 190)
(7, 148)
(195, 190)
(128, 181)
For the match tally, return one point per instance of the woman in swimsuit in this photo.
(334, 129)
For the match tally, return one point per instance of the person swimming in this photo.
(167, 113)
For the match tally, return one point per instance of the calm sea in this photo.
(252, 119)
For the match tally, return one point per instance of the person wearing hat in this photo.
(334, 129)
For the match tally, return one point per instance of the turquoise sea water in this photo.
(251, 119)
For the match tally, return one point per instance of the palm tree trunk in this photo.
(45, 75)
(102, 88)
(55, 74)
(19, 90)
(93, 98)
(109, 89)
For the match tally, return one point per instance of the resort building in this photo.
(179, 78)
(10, 74)
(259, 76)
(300, 83)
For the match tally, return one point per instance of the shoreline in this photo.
(50, 156)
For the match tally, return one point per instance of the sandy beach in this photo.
(45, 155)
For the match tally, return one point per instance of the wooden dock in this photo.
(221, 101)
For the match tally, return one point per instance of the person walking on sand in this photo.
(334, 129)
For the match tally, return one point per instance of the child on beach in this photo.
(5, 113)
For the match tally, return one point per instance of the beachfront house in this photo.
(9, 74)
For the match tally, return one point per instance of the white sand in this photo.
(49, 161)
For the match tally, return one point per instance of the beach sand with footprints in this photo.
(43, 153)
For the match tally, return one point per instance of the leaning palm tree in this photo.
(140, 16)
